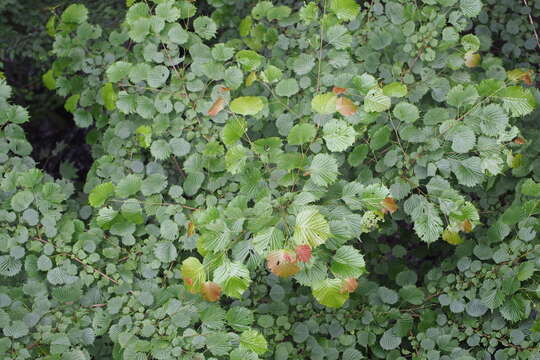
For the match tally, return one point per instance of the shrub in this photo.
(374, 157)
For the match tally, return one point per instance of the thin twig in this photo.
(532, 23)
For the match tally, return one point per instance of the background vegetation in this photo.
(278, 180)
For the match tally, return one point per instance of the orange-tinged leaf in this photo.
(211, 291)
(225, 89)
(466, 226)
(345, 106)
(303, 253)
(519, 74)
(520, 140)
(282, 263)
(389, 205)
(349, 285)
(217, 106)
(472, 59)
(338, 90)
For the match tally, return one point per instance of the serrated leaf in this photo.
(165, 251)
(311, 228)
(233, 131)
(376, 101)
(100, 194)
(346, 10)
(348, 262)
(338, 135)
(517, 100)
(254, 341)
(329, 293)
(323, 169)
(470, 8)
(389, 341)
(301, 134)
(324, 103)
(233, 278)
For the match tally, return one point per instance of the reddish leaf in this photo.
(189, 281)
(345, 106)
(389, 205)
(303, 253)
(211, 291)
(520, 141)
(527, 79)
(224, 89)
(282, 263)
(216, 107)
(338, 90)
(349, 285)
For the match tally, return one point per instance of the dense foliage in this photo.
(314, 180)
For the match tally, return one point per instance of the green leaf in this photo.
(406, 112)
(526, 270)
(469, 171)
(311, 228)
(205, 27)
(254, 341)
(48, 80)
(301, 134)
(109, 96)
(346, 10)
(380, 138)
(324, 103)
(235, 159)
(233, 131)
(233, 277)
(470, 8)
(459, 96)
(118, 71)
(412, 294)
(517, 100)
(177, 34)
(71, 102)
(165, 251)
(463, 139)
(338, 135)
(470, 42)
(328, 293)
(100, 194)
(21, 200)
(323, 169)
(249, 59)
(348, 262)
(128, 186)
(389, 341)
(247, 105)
(395, 89)
(376, 101)
(287, 87)
(513, 309)
(75, 14)
(530, 188)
